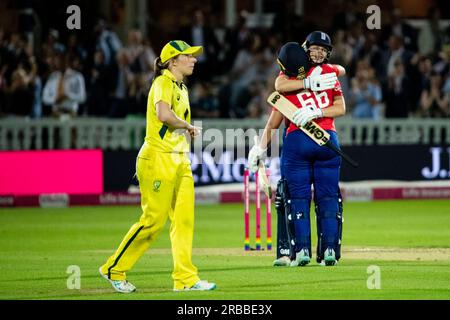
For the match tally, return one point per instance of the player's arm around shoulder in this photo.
(315, 81)
(284, 84)
(339, 70)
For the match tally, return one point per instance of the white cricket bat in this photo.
(312, 129)
(287, 108)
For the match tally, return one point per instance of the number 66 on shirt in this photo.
(308, 98)
(313, 130)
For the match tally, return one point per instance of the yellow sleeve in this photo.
(163, 90)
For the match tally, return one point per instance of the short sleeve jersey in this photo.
(159, 136)
(322, 99)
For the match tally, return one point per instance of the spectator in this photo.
(52, 43)
(442, 65)
(140, 54)
(15, 54)
(2, 92)
(204, 102)
(147, 58)
(446, 87)
(365, 95)
(123, 78)
(65, 88)
(434, 103)
(19, 97)
(75, 49)
(342, 55)
(446, 70)
(36, 84)
(257, 107)
(100, 86)
(356, 38)
(346, 15)
(198, 33)
(397, 103)
(431, 35)
(419, 78)
(372, 53)
(107, 41)
(342, 51)
(396, 51)
(249, 68)
(139, 89)
(401, 29)
(235, 39)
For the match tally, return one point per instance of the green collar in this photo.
(168, 74)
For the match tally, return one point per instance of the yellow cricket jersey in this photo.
(159, 136)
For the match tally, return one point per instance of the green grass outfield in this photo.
(408, 240)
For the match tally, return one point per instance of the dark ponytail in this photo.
(158, 67)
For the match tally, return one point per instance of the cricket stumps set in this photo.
(257, 198)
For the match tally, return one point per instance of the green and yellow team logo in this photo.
(156, 185)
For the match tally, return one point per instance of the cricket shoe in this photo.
(329, 257)
(122, 286)
(202, 285)
(322, 263)
(302, 258)
(283, 261)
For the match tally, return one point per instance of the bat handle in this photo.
(352, 162)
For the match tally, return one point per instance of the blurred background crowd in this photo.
(105, 69)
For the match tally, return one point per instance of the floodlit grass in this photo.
(38, 245)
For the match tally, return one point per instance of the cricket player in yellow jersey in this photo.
(165, 176)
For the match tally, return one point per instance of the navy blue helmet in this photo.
(293, 60)
(318, 38)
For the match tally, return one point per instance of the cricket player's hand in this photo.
(320, 82)
(194, 131)
(256, 153)
(306, 114)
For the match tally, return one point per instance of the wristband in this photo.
(306, 84)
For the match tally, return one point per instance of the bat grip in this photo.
(342, 154)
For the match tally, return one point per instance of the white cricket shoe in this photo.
(302, 258)
(283, 261)
(202, 285)
(122, 286)
(329, 257)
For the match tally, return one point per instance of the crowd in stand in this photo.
(107, 79)
(396, 72)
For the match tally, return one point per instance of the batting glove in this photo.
(256, 153)
(306, 114)
(320, 82)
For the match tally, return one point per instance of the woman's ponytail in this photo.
(159, 67)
